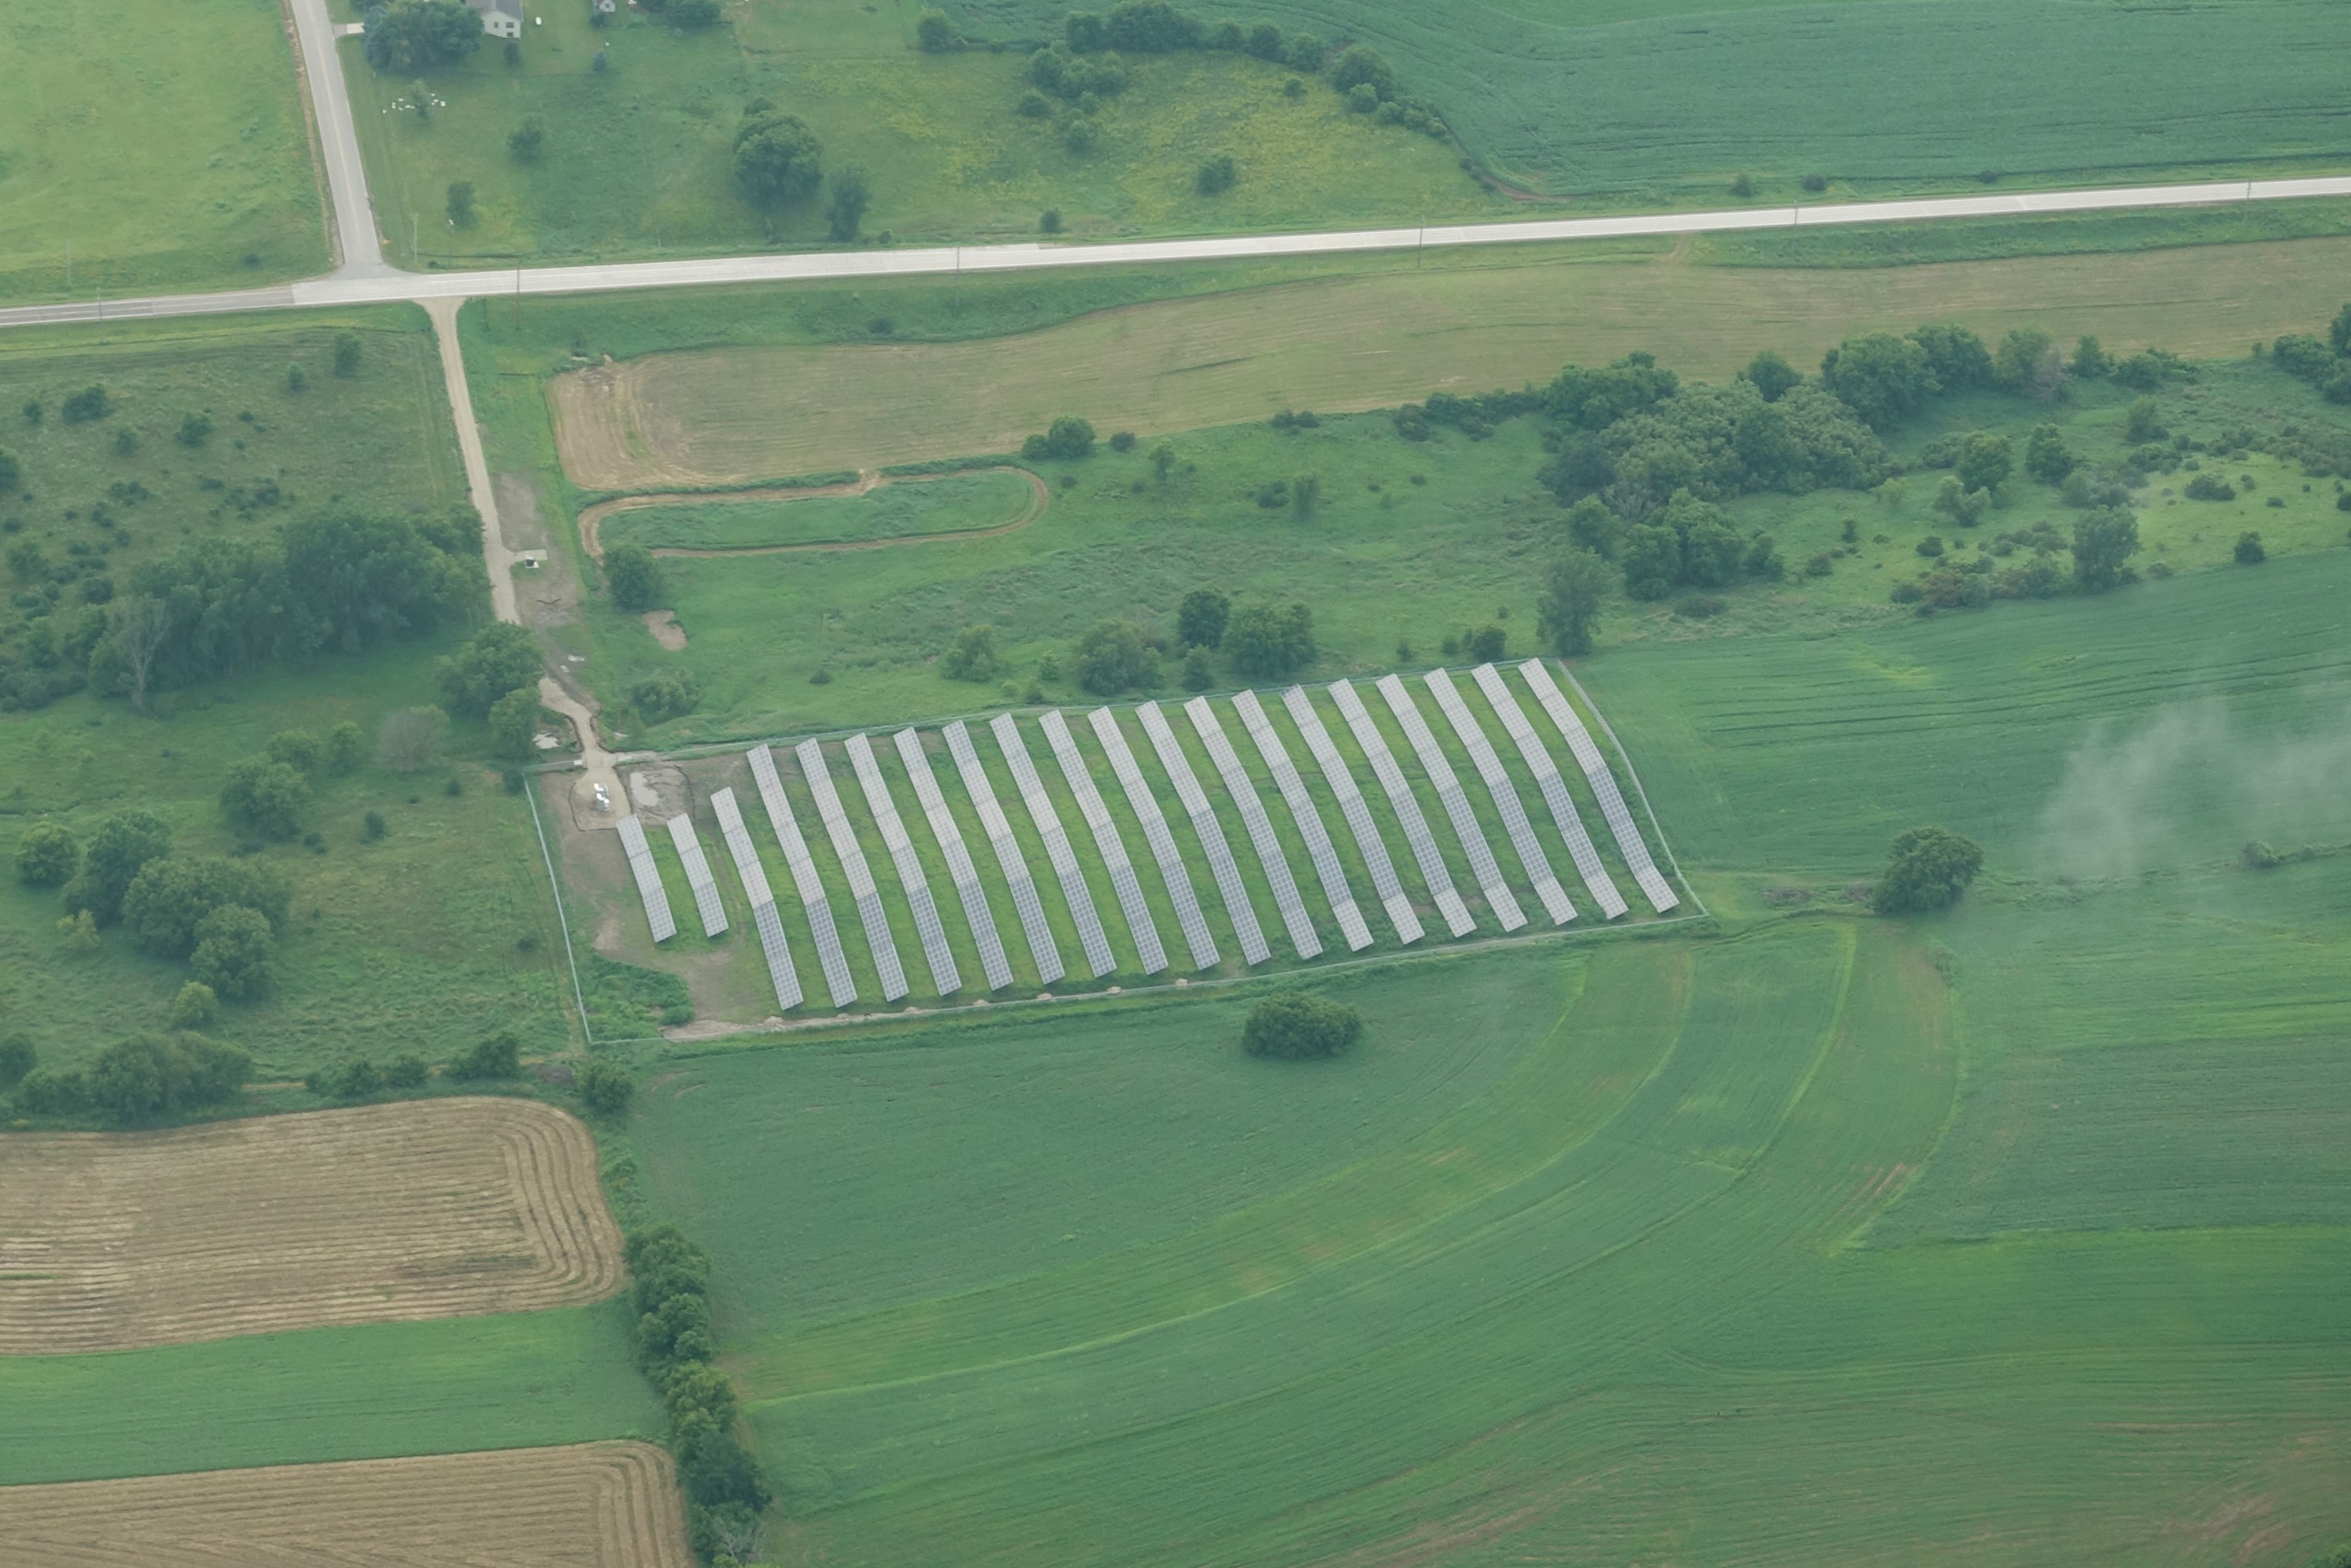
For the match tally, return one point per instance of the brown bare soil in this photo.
(591, 1505)
(426, 1209)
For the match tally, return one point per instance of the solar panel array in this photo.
(1155, 834)
(1554, 790)
(960, 871)
(928, 930)
(1456, 804)
(1358, 814)
(1008, 859)
(697, 875)
(764, 918)
(1604, 784)
(1531, 858)
(837, 982)
(1122, 880)
(1309, 822)
(648, 876)
(870, 913)
(1080, 897)
(1254, 950)
(1433, 869)
(1243, 789)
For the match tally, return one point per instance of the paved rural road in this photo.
(360, 247)
(363, 284)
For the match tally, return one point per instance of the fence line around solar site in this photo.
(1031, 909)
(845, 847)
(1536, 674)
(837, 982)
(1162, 842)
(1467, 829)
(1204, 827)
(1319, 850)
(1351, 806)
(1073, 877)
(1505, 795)
(1596, 879)
(1433, 872)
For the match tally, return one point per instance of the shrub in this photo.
(1123, 441)
(1200, 674)
(152, 1074)
(1050, 221)
(346, 353)
(356, 1080)
(1815, 183)
(2209, 487)
(1112, 656)
(932, 32)
(52, 1093)
(777, 159)
(2143, 423)
(844, 209)
(121, 848)
(1200, 620)
(974, 656)
(78, 932)
(1069, 437)
(498, 1056)
(694, 13)
(525, 140)
(514, 726)
(1295, 1026)
(605, 1088)
(461, 203)
(346, 749)
(265, 798)
(666, 694)
(48, 855)
(16, 1059)
(1488, 644)
(2248, 551)
(635, 578)
(298, 750)
(88, 404)
(2259, 856)
(166, 905)
(195, 1005)
(195, 429)
(373, 826)
(1743, 187)
(1927, 868)
(1215, 175)
(1363, 98)
(233, 953)
(1267, 640)
(408, 1071)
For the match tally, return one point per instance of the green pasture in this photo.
(105, 496)
(637, 157)
(387, 1390)
(900, 509)
(163, 143)
(1641, 1250)
(1627, 101)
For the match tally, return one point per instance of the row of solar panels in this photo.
(1133, 907)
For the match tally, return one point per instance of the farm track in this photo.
(867, 482)
(383, 1213)
(591, 1505)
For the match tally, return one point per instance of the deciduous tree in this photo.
(1927, 868)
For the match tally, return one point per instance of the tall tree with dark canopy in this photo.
(1299, 1025)
(500, 657)
(1200, 619)
(777, 159)
(124, 844)
(1928, 869)
(1569, 605)
(2103, 540)
(634, 577)
(410, 36)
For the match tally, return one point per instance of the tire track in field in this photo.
(868, 480)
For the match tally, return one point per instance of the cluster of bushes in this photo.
(342, 580)
(1068, 439)
(497, 1057)
(265, 795)
(1689, 542)
(2324, 362)
(141, 1078)
(405, 36)
(1299, 1025)
(666, 694)
(494, 677)
(1261, 641)
(724, 1488)
(1927, 868)
(2103, 543)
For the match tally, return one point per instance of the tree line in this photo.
(723, 1487)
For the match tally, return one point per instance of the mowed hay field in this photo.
(409, 1210)
(740, 415)
(1645, 1250)
(592, 1505)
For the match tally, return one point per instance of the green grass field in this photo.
(955, 504)
(1669, 103)
(389, 1389)
(163, 141)
(413, 943)
(1641, 1251)
(637, 156)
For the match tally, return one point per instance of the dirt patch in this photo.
(426, 1209)
(1040, 496)
(590, 1505)
(548, 593)
(662, 625)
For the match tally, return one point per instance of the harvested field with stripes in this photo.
(591, 1505)
(430, 1208)
(1152, 844)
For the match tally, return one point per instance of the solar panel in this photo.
(1008, 859)
(1506, 708)
(1309, 820)
(1155, 834)
(964, 875)
(1080, 898)
(1433, 869)
(1123, 881)
(1466, 827)
(837, 982)
(764, 918)
(648, 876)
(1629, 842)
(1505, 794)
(869, 914)
(1262, 838)
(697, 875)
(1229, 886)
(929, 929)
(1358, 814)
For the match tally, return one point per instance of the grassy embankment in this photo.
(1566, 1205)
(424, 940)
(163, 143)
